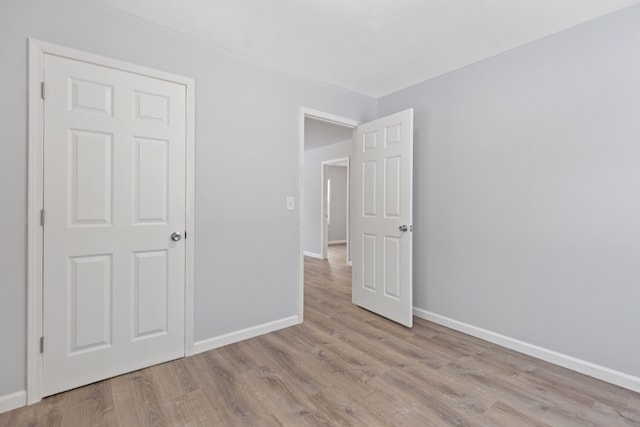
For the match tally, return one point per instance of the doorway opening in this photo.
(381, 208)
(334, 210)
(326, 141)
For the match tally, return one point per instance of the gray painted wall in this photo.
(247, 244)
(312, 190)
(318, 133)
(527, 199)
(337, 230)
(526, 176)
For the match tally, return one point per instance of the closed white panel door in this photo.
(383, 221)
(114, 192)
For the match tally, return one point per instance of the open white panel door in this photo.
(383, 217)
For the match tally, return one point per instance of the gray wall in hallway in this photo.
(337, 230)
(312, 190)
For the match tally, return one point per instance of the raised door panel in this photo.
(150, 294)
(369, 188)
(90, 313)
(153, 107)
(152, 177)
(392, 190)
(370, 141)
(90, 97)
(392, 266)
(369, 261)
(392, 135)
(91, 184)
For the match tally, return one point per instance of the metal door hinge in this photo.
(41, 344)
(42, 217)
(42, 90)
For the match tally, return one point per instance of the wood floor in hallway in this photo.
(343, 366)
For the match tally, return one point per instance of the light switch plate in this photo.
(291, 203)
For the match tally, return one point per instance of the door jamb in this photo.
(35, 233)
(329, 118)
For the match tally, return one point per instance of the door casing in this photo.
(37, 51)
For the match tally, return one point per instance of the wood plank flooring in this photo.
(343, 366)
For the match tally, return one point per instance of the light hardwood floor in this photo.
(343, 366)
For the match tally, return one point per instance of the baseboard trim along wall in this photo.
(591, 369)
(336, 242)
(12, 401)
(233, 337)
(312, 255)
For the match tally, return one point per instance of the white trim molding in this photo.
(12, 401)
(313, 255)
(37, 51)
(582, 366)
(190, 214)
(336, 242)
(244, 334)
(35, 193)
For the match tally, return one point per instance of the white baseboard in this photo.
(312, 255)
(12, 401)
(591, 369)
(336, 242)
(244, 334)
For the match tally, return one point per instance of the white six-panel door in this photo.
(383, 219)
(114, 192)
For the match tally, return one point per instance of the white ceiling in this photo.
(371, 46)
(318, 133)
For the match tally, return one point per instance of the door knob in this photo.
(403, 228)
(175, 236)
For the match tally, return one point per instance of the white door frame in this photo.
(324, 237)
(325, 117)
(37, 51)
